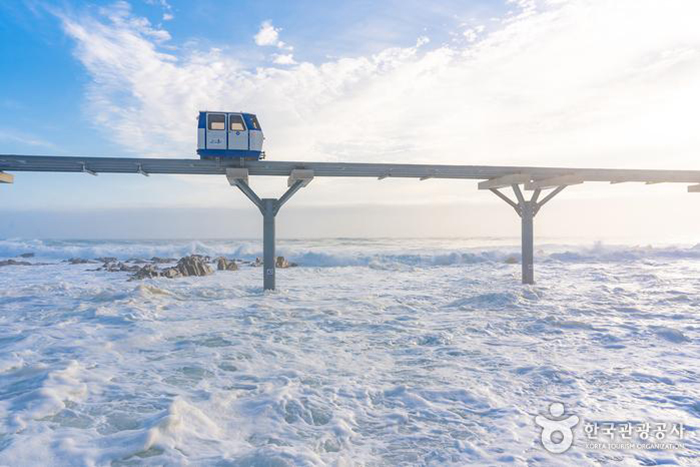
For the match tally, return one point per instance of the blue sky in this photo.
(45, 108)
(41, 74)
(526, 82)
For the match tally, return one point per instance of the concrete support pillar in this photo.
(527, 242)
(269, 212)
(526, 209)
(269, 207)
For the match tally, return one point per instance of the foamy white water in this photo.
(374, 352)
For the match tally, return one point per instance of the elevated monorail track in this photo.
(493, 178)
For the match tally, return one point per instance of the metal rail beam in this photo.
(301, 173)
(151, 166)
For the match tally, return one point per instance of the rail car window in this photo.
(254, 122)
(217, 121)
(236, 123)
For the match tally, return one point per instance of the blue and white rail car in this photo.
(229, 135)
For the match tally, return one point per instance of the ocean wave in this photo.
(336, 253)
(124, 250)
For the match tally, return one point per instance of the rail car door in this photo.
(216, 131)
(254, 131)
(237, 133)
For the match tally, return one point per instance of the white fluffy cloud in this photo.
(268, 36)
(166, 7)
(472, 34)
(577, 83)
(284, 59)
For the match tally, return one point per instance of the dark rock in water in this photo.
(27, 255)
(171, 273)
(512, 260)
(12, 262)
(119, 267)
(78, 261)
(107, 259)
(224, 264)
(146, 272)
(137, 260)
(282, 263)
(194, 265)
(158, 260)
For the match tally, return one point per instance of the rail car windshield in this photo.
(236, 123)
(254, 122)
(217, 121)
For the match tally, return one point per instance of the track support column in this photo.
(268, 212)
(527, 210)
(269, 207)
(527, 217)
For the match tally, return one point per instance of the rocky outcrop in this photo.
(194, 265)
(224, 264)
(170, 273)
(107, 259)
(159, 260)
(12, 262)
(118, 266)
(146, 272)
(27, 255)
(78, 261)
(137, 261)
(282, 263)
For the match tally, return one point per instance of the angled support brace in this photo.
(298, 185)
(498, 193)
(554, 182)
(239, 179)
(526, 209)
(547, 198)
(88, 171)
(269, 207)
(248, 191)
(504, 181)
